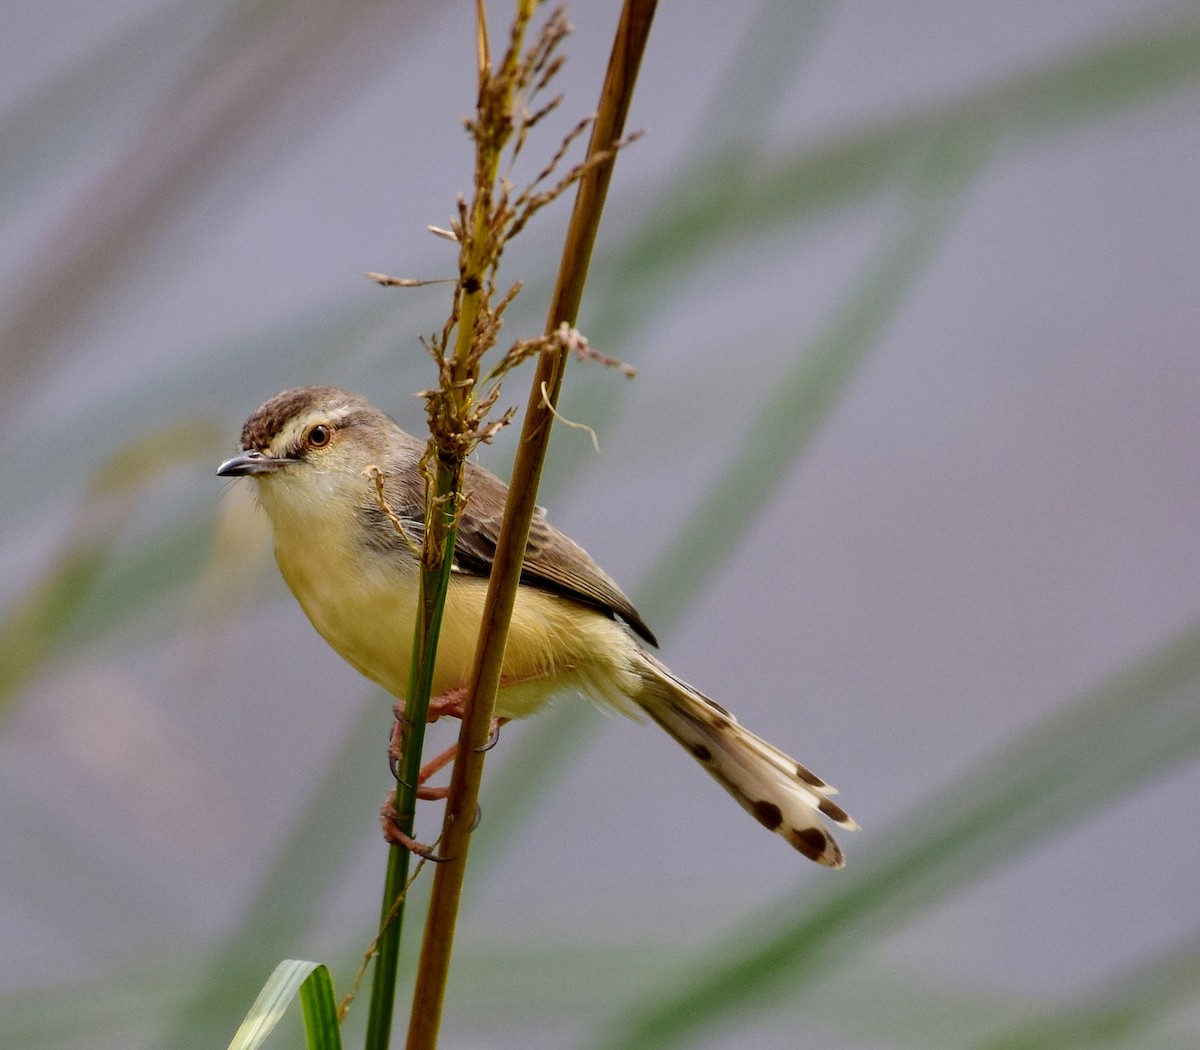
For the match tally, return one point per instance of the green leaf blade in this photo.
(291, 978)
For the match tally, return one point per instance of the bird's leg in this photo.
(437, 763)
(389, 819)
(398, 837)
(450, 703)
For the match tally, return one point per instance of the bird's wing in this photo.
(553, 561)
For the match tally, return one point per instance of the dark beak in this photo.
(249, 464)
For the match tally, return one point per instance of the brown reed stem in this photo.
(434, 967)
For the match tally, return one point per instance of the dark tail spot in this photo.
(809, 777)
(769, 815)
(833, 811)
(812, 842)
(701, 752)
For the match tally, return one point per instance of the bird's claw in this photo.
(394, 834)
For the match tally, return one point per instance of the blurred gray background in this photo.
(914, 299)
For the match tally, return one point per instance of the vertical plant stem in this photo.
(434, 967)
(434, 585)
(437, 557)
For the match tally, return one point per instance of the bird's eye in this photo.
(318, 436)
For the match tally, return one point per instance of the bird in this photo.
(351, 560)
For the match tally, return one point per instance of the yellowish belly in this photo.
(553, 644)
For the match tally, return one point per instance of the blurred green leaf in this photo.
(298, 882)
(778, 435)
(1145, 720)
(741, 196)
(1120, 1014)
(573, 980)
(38, 618)
(34, 627)
(272, 64)
(311, 981)
(757, 78)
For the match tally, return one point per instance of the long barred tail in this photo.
(774, 788)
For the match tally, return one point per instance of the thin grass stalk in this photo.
(435, 582)
(437, 556)
(434, 966)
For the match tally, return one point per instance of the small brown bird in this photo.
(356, 577)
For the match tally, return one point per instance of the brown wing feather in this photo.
(553, 561)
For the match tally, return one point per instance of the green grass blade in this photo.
(1157, 59)
(184, 152)
(1135, 726)
(39, 617)
(690, 220)
(778, 436)
(582, 981)
(71, 607)
(295, 886)
(1119, 1015)
(756, 78)
(320, 1007)
(34, 629)
(311, 981)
